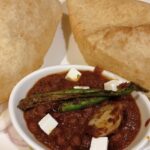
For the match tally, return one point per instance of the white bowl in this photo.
(21, 89)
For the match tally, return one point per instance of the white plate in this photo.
(64, 50)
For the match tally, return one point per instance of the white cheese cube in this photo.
(73, 75)
(47, 124)
(100, 143)
(112, 85)
(81, 87)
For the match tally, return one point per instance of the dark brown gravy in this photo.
(72, 131)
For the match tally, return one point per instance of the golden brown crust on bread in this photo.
(27, 28)
(114, 35)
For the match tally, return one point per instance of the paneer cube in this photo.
(100, 143)
(47, 124)
(112, 85)
(73, 75)
(81, 87)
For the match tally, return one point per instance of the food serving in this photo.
(78, 109)
(27, 29)
(115, 35)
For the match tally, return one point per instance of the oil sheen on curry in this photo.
(75, 109)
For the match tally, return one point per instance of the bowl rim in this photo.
(50, 69)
